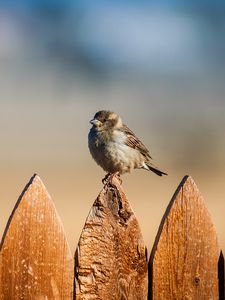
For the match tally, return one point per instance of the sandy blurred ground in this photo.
(42, 134)
(161, 70)
(74, 187)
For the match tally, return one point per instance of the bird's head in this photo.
(106, 120)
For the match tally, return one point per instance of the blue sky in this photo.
(88, 3)
(124, 36)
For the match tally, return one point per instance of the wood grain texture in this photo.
(183, 262)
(110, 260)
(35, 260)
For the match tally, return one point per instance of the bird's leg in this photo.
(106, 179)
(117, 175)
(109, 177)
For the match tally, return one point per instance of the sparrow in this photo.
(115, 147)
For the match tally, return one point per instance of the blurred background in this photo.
(159, 64)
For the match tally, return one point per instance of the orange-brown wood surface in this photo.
(110, 261)
(183, 263)
(35, 261)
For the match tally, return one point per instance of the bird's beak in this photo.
(95, 122)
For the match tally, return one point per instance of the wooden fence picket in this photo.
(35, 260)
(110, 261)
(183, 262)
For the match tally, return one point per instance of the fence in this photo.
(110, 260)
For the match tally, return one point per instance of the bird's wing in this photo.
(133, 142)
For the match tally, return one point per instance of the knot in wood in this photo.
(197, 281)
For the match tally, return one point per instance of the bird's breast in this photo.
(111, 152)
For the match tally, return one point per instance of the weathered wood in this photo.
(35, 260)
(221, 277)
(110, 260)
(183, 262)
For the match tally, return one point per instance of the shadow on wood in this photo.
(110, 260)
(35, 260)
(221, 276)
(183, 262)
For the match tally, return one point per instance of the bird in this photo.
(116, 148)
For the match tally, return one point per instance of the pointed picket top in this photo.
(183, 262)
(110, 260)
(35, 260)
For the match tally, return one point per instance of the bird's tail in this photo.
(155, 170)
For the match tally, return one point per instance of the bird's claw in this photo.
(105, 180)
(108, 179)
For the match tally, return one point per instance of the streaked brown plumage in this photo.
(115, 147)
